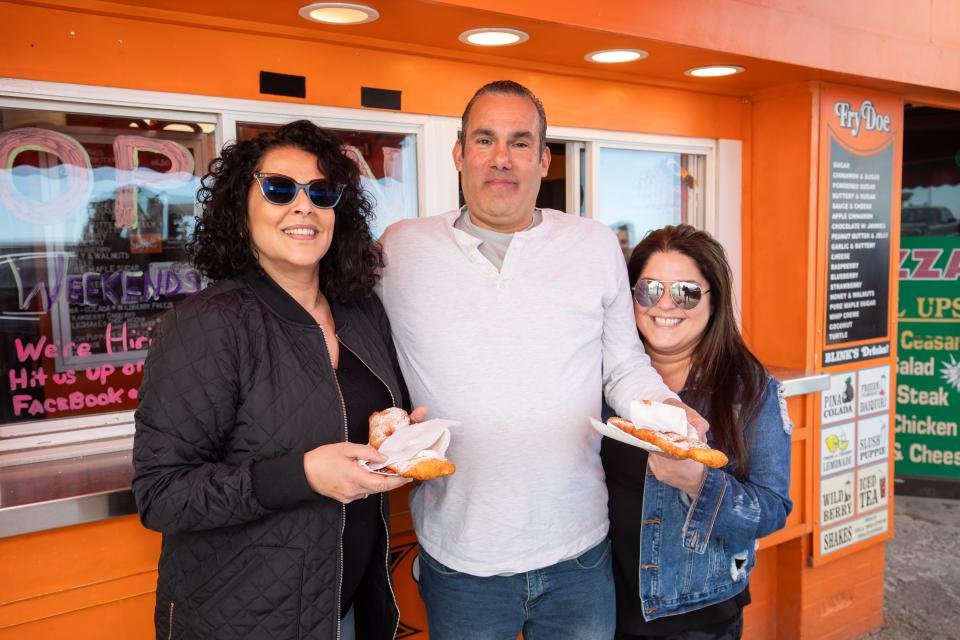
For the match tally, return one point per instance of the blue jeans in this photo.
(573, 600)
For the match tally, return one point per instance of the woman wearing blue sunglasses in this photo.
(683, 535)
(253, 409)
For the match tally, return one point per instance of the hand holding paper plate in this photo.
(413, 450)
(660, 428)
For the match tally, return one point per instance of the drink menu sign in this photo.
(860, 148)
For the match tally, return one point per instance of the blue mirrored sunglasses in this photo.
(280, 189)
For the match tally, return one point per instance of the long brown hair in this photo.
(726, 380)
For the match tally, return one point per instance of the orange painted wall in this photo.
(843, 599)
(778, 238)
(121, 52)
(915, 42)
(90, 581)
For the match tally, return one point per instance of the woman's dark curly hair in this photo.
(221, 246)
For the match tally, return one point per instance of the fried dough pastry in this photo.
(424, 468)
(673, 444)
(426, 465)
(384, 423)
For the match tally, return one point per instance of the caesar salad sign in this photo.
(928, 382)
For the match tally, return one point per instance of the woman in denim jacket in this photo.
(684, 535)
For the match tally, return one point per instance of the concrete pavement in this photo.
(922, 583)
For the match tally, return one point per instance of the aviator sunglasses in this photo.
(685, 295)
(281, 189)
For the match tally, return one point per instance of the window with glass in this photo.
(95, 211)
(641, 190)
(388, 169)
(638, 189)
(931, 173)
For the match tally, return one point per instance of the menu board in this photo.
(858, 222)
(854, 457)
(858, 265)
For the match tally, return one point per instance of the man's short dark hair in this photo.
(508, 88)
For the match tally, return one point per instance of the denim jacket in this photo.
(695, 553)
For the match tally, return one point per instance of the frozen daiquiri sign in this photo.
(928, 352)
(859, 161)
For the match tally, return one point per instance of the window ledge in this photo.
(62, 492)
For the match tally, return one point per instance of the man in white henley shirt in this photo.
(514, 321)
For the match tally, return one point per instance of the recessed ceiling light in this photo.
(493, 37)
(339, 13)
(611, 56)
(714, 71)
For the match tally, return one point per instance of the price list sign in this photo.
(860, 150)
(858, 264)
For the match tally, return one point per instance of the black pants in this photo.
(731, 629)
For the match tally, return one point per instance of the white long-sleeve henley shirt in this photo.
(521, 357)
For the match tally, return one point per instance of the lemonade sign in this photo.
(836, 448)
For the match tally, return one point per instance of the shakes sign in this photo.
(858, 217)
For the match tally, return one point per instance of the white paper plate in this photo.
(382, 472)
(622, 436)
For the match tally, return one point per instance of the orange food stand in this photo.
(772, 150)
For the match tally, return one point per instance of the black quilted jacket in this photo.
(238, 384)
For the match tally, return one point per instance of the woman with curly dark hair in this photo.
(254, 404)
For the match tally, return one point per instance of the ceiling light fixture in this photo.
(714, 71)
(613, 56)
(493, 37)
(339, 13)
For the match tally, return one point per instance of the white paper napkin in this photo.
(664, 417)
(412, 441)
